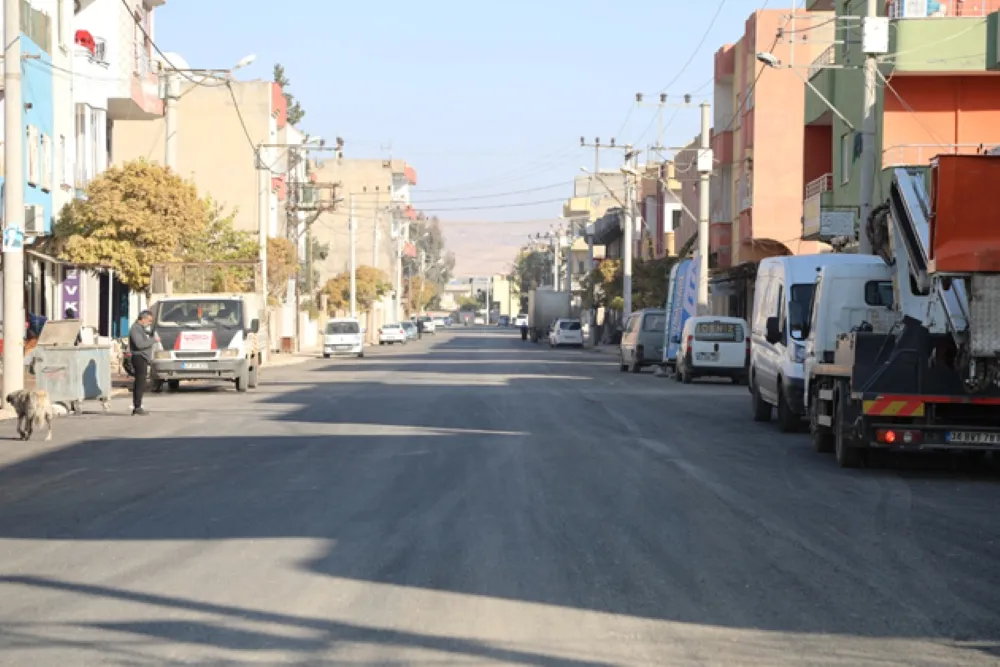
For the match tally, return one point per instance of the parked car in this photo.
(479, 319)
(411, 330)
(503, 321)
(343, 337)
(521, 320)
(566, 332)
(642, 340)
(714, 346)
(427, 323)
(391, 333)
(439, 322)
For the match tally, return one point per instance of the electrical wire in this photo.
(701, 43)
(138, 23)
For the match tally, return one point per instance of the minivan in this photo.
(713, 346)
(779, 327)
(642, 340)
(343, 337)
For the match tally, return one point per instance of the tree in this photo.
(649, 283)
(370, 286)
(134, 215)
(531, 268)
(282, 266)
(419, 293)
(295, 112)
(468, 303)
(439, 265)
(219, 240)
(320, 251)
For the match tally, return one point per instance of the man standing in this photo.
(141, 342)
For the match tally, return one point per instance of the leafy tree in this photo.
(282, 266)
(295, 111)
(419, 293)
(467, 303)
(134, 215)
(439, 264)
(320, 251)
(649, 283)
(370, 285)
(531, 269)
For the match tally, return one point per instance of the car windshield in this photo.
(200, 313)
(341, 328)
(799, 308)
(570, 325)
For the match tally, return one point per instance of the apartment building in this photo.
(938, 93)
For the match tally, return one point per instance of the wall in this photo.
(817, 153)
(212, 148)
(37, 91)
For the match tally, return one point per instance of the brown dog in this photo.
(33, 409)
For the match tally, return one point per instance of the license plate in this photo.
(706, 356)
(192, 366)
(343, 347)
(973, 437)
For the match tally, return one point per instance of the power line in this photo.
(701, 43)
(138, 24)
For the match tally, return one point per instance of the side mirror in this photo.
(254, 325)
(773, 333)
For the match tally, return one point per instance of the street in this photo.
(473, 499)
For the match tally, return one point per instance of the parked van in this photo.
(642, 340)
(343, 337)
(714, 346)
(783, 297)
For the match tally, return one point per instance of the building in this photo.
(660, 210)
(213, 147)
(938, 93)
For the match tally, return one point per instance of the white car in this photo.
(521, 320)
(392, 333)
(342, 337)
(566, 332)
(439, 322)
(479, 320)
(427, 323)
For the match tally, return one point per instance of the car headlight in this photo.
(161, 354)
(230, 353)
(799, 353)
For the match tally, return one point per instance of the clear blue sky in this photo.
(481, 98)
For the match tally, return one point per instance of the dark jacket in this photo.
(141, 342)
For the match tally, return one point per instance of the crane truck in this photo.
(919, 368)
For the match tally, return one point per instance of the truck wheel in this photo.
(847, 455)
(788, 421)
(243, 380)
(761, 408)
(821, 436)
(254, 378)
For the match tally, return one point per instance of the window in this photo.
(676, 219)
(654, 323)
(846, 155)
(633, 324)
(81, 146)
(800, 306)
(48, 173)
(34, 166)
(879, 293)
(580, 267)
(64, 162)
(569, 325)
(342, 328)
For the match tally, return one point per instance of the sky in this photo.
(487, 101)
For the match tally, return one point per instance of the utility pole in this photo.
(398, 268)
(263, 224)
(489, 287)
(375, 233)
(704, 205)
(867, 190)
(171, 96)
(420, 291)
(631, 189)
(13, 207)
(351, 224)
(292, 217)
(556, 268)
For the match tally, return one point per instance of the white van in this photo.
(343, 337)
(714, 346)
(783, 296)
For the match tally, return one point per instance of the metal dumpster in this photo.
(71, 373)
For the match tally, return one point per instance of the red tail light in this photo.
(690, 339)
(893, 437)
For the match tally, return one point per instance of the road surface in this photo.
(476, 500)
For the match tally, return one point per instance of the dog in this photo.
(33, 409)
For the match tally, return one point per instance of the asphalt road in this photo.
(472, 499)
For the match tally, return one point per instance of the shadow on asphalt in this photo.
(392, 500)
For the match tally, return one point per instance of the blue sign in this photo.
(682, 303)
(13, 239)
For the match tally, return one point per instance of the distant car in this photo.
(503, 321)
(411, 330)
(448, 321)
(427, 323)
(479, 319)
(521, 320)
(391, 333)
(439, 322)
(566, 332)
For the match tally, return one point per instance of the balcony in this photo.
(919, 155)
(820, 221)
(820, 75)
(957, 42)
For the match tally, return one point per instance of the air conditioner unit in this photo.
(34, 219)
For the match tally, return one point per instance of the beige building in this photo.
(379, 193)
(213, 149)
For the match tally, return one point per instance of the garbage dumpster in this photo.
(71, 373)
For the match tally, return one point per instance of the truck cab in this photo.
(206, 337)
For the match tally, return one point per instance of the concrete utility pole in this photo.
(631, 189)
(398, 268)
(351, 224)
(375, 233)
(13, 207)
(263, 220)
(420, 292)
(704, 206)
(170, 98)
(489, 287)
(867, 190)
